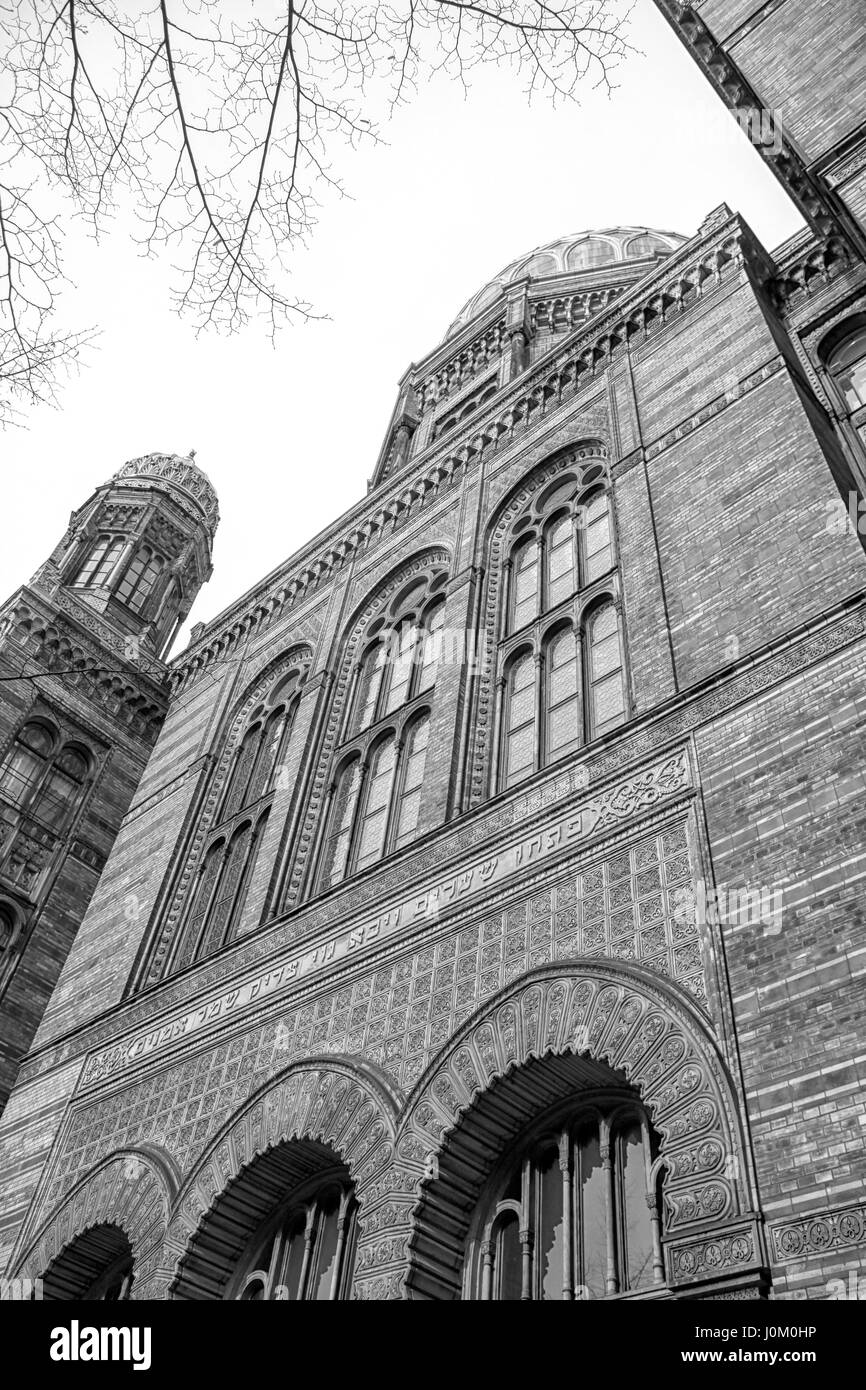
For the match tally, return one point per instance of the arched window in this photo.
(220, 893)
(307, 1254)
(520, 724)
(375, 797)
(560, 680)
(96, 1266)
(140, 577)
(846, 363)
(563, 732)
(99, 564)
(258, 768)
(44, 777)
(335, 858)
(525, 584)
(607, 697)
(572, 1215)
(8, 932)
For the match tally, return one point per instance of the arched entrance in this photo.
(284, 1229)
(613, 1070)
(307, 1150)
(548, 1189)
(109, 1228)
(97, 1265)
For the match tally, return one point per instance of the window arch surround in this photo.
(304, 858)
(554, 1036)
(843, 354)
(587, 463)
(228, 810)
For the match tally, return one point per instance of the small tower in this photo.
(83, 696)
(139, 549)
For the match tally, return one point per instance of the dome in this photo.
(571, 255)
(182, 474)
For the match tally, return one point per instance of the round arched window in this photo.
(571, 1213)
(306, 1252)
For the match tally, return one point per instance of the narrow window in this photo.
(520, 721)
(598, 548)
(562, 687)
(605, 667)
(335, 861)
(560, 561)
(525, 581)
(374, 821)
(369, 685)
(847, 366)
(414, 758)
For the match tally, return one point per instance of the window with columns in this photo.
(307, 1253)
(574, 1212)
(100, 561)
(375, 796)
(561, 662)
(258, 767)
(44, 775)
(140, 577)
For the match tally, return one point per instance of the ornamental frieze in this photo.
(819, 1232)
(475, 879)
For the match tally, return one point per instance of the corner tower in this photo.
(83, 693)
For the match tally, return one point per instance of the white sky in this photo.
(290, 436)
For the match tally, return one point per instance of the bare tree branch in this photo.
(217, 123)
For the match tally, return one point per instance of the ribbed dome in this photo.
(570, 255)
(180, 473)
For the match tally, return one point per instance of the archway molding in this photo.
(343, 1104)
(131, 1189)
(645, 1031)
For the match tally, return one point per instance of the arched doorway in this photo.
(97, 1265)
(548, 1189)
(284, 1229)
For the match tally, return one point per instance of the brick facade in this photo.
(675, 908)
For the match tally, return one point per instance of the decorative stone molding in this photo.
(728, 1250)
(130, 1189)
(337, 1102)
(297, 656)
(808, 191)
(182, 473)
(818, 1233)
(613, 1014)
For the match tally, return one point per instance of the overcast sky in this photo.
(289, 436)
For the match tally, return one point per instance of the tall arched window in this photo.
(573, 1214)
(258, 767)
(44, 776)
(375, 797)
(100, 562)
(605, 667)
(140, 577)
(561, 671)
(846, 363)
(307, 1253)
